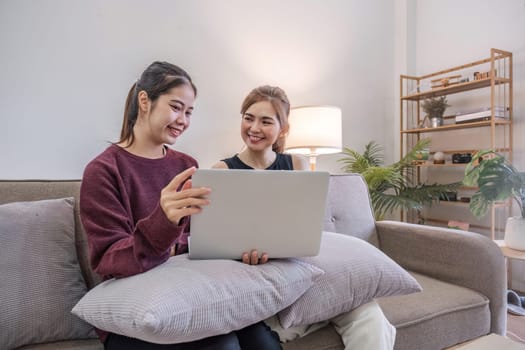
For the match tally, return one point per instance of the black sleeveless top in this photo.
(282, 162)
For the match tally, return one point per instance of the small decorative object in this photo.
(445, 81)
(460, 158)
(435, 122)
(464, 199)
(421, 156)
(439, 157)
(483, 75)
(451, 196)
(458, 225)
(435, 108)
(497, 180)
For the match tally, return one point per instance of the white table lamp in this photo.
(314, 130)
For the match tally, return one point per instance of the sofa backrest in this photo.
(33, 190)
(348, 209)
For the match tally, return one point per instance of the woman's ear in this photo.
(284, 131)
(143, 101)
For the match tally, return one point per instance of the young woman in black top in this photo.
(264, 127)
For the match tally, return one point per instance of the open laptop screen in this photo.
(278, 212)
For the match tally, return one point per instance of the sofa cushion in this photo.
(437, 316)
(41, 279)
(84, 344)
(348, 208)
(35, 190)
(356, 272)
(183, 300)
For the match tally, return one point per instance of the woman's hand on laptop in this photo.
(188, 201)
(252, 258)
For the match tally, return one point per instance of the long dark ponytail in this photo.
(156, 80)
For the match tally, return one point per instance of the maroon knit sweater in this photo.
(126, 228)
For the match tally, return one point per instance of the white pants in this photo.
(365, 327)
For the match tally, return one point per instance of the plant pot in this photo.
(515, 233)
(436, 121)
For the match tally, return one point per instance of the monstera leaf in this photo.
(496, 180)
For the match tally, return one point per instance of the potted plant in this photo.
(435, 108)
(389, 186)
(497, 180)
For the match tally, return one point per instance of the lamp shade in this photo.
(314, 130)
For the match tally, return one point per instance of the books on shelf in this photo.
(482, 114)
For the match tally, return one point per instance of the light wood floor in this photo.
(516, 328)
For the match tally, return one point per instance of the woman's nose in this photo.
(181, 119)
(255, 126)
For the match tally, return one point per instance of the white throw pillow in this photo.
(356, 272)
(184, 300)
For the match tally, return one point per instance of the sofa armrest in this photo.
(459, 257)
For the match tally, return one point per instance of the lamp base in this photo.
(313, 159)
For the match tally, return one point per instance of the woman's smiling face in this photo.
(260, 126)
(170, 114)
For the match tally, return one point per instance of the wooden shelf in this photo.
(473, 227)
(453, 203)
(449, 127)
(509, 252)
(466, 204)
(431, 165)
(455, 88)
(491, 133)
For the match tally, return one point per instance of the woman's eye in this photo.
(175, 108)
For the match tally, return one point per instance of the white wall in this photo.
(471, 28)
(67, 65)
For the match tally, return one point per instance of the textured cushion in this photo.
(355, 273)
(40, 277)
(348, 208)
(184, 300)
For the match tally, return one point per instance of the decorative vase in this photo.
(422, 156)
(515, 233)
(436, 121)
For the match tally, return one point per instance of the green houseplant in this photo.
(389, 186)
(497, 180)
(435, 108)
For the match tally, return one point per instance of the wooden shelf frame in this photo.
(455, 88)
(472, 226)
(497, 69)
(497, 121)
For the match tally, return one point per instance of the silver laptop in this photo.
(278, 212)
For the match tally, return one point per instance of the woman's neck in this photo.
(145, 151)
(258, 160)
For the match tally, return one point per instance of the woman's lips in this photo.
(174, 131)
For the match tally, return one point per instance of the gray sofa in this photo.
(462, 274)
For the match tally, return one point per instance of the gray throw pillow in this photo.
(356, 272)
(40, 278)
(183, 300)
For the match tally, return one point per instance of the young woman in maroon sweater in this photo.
(136, 199)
